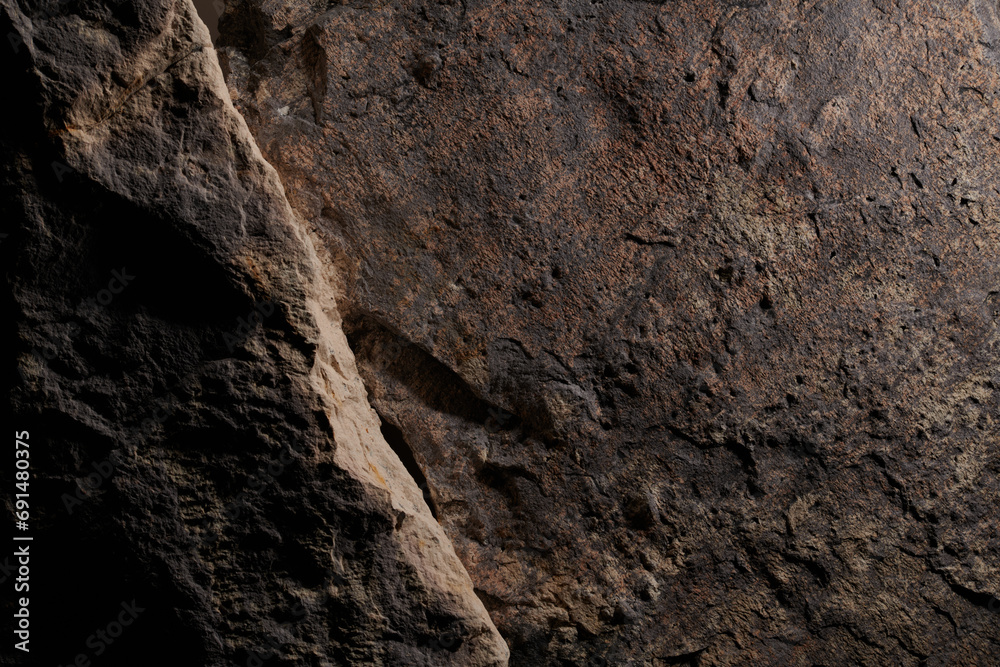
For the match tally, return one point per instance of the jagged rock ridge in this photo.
(203, 449)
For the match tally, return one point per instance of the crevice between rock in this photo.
(394, 436)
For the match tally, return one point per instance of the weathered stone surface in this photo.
(687, 311)
(201, 441)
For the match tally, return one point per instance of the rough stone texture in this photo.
(201, 440)
(686, 311)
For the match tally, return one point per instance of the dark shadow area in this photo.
(394, 437)
(210, 11)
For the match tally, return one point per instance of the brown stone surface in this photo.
(202, 450)
(686, 311)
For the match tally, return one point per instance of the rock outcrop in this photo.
(679, 319)
(203, 454)
(686, 312)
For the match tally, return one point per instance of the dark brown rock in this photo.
(686, 311)
(202, 448)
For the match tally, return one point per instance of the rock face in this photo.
(203, 456)
(679, 321)
(686, 312)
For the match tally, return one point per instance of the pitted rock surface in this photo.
(686, 312)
